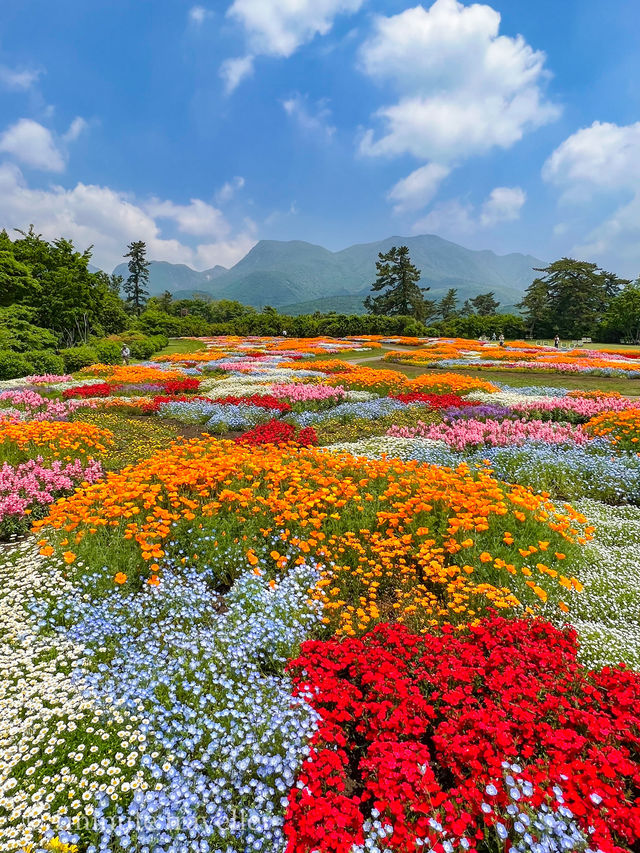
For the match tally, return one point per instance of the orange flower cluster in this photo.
(417, 543)
(360, 377)
(121, 373)
(621, 428)
(594, 395)
(54, 439)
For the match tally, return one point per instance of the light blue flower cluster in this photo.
(369, 409)
(533, 390)
(218, 417)
(225, 739)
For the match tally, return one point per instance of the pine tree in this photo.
(135, 285)
(485, 304)
(570, 298)
(448, 305)
(399, 278)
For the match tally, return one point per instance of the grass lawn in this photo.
(181, 345)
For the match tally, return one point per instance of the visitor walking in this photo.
(556, 342)
(125, 352)
(501, 339)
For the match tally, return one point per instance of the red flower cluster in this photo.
(99, 389)
(181, 386)
(278, 432)
(417, 726)
(435, 401)
(264, 401)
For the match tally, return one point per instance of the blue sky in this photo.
(204, 127)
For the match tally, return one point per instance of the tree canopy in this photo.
(402, 295)
(570, 299)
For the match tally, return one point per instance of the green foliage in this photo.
(485, 304)
(54, 280)
(448, 305)
(13, 365)
(45, 361)
(108, 352)
(16, 283)
(136, 284)
(18, 332)
(399, 278)
(475, 325)
(622, 320)
(76, 358)
(570, 298)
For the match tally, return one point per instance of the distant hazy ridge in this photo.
(302, 277)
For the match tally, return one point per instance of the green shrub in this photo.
(13, 365)
(76, 358)
(45, 361)
(109, 352)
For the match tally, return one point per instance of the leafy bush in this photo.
(76, 358)
(45, 361)
(109, 352)
(13, 365)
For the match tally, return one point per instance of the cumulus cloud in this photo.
(313, 119)
(418, 188)
(597, 168)
(32, 144)
(19, 79)
(462, 88)
(503, 205)
(279, 28)
(108, 219)
(456, 218)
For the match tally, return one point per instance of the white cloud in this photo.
(597, 170)
(315, 120)
(462, 88)
(76, 128)
(234, 71)
(456, 218)
(229, 189)
(109, 220)
(279, 28)
(198, 15)
(418, 188)
(196, 218)
(448, 219)
(503, 205)
(32, 144)
(18, 79)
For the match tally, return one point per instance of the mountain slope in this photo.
(295, 273)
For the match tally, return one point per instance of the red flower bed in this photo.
(277, 432)
(181, 386)
(99, 389)
(416, 727)
(435, 401)
(264, 401)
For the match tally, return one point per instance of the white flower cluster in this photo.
(605, 614)
(58, 749)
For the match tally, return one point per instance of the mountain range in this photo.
(300, 277)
